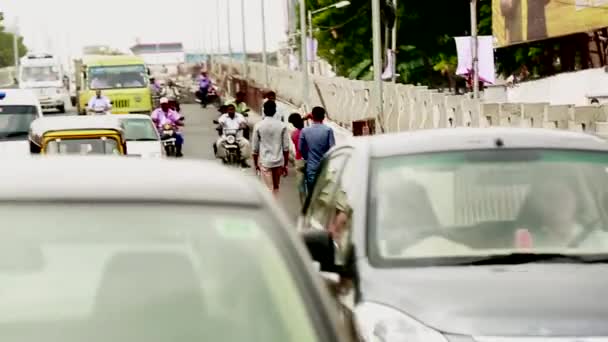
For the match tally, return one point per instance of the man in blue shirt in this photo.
(314, 143)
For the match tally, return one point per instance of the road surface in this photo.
(200, 135)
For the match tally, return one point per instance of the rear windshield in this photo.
(15, 120)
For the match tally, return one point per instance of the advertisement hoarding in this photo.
(520, 21)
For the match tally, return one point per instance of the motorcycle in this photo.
(169, 140)
(230, 145)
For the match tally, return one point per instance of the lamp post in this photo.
(394, 45)
(304, 55)
(244, 39)
(475, 44)
(264, 57)
(311, 13)
(16, 43)
(228, 28)
(377, 56)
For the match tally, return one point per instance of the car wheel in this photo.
(61, 109)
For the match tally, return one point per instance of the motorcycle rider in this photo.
(241, 107)
(99, 101)
(166, 115)
(234, 121)
(172, 93)
(204, 85)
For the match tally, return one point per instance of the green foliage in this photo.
(426, 31)
(6, 48)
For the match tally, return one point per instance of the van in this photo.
(18, 109)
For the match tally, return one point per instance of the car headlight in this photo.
(230, 139)
(379, 323)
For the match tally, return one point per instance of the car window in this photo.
(458, 204)
(82, 146)
(326, 185)
(15, 120)
(82, 271)
(140, 130)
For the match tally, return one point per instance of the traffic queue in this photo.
(468, 234)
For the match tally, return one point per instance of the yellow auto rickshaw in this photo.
(103, 134)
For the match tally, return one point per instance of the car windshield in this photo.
(112, 77)
(15, 121)
(146, 273)
(82, 146)
(140, 130)
(442, 208)
(40, 74)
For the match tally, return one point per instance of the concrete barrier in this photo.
(406, 107)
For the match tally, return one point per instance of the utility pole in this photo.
(228, 28)
(264, 56)
(377, 38)
(304, 54)
(310, 34)
(394, 44)
(475, 45)
(244, 39)
(16, 43)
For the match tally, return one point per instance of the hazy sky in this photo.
(65, 26)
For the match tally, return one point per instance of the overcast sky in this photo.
(65, 26)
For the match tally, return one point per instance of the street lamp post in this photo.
(304, 55)
(16, 43)
(377, 56)
(475, 44)
(394, 44)
(244, 39)
(228, 28)
(311, 13)
(264, 57)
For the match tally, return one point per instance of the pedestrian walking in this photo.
(298, 122)
(314, 143)
(271, 149)
(272, 96)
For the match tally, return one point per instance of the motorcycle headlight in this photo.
(230, 139)
(379, 323)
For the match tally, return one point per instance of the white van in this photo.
(43, 73)
(18, 108)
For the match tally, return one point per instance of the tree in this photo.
(6, 48)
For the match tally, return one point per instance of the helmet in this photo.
(164, 100)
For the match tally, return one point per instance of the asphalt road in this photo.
(200, 135)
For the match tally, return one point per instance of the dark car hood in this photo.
(529, 300)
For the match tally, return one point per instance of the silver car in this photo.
(122, 249)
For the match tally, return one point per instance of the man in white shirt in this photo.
(233, 121)
(99, 104)
(272, 96)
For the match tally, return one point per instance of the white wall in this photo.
(574, 88)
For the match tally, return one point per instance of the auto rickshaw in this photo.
(78, 135)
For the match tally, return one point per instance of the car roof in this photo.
(455, 139)
(19, 97)
(52, 123)
(133, 116)
(113, 178)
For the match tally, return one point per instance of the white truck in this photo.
(44, 75)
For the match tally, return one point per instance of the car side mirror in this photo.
(216, 122)
(321, 247)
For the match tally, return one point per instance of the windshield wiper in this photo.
(526, 258)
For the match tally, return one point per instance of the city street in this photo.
(200, 135)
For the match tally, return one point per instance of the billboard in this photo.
(520, 21)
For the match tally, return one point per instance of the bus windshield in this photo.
(112, 77)
(40, 74)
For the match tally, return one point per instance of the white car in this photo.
(18, 108)
(142, 137)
